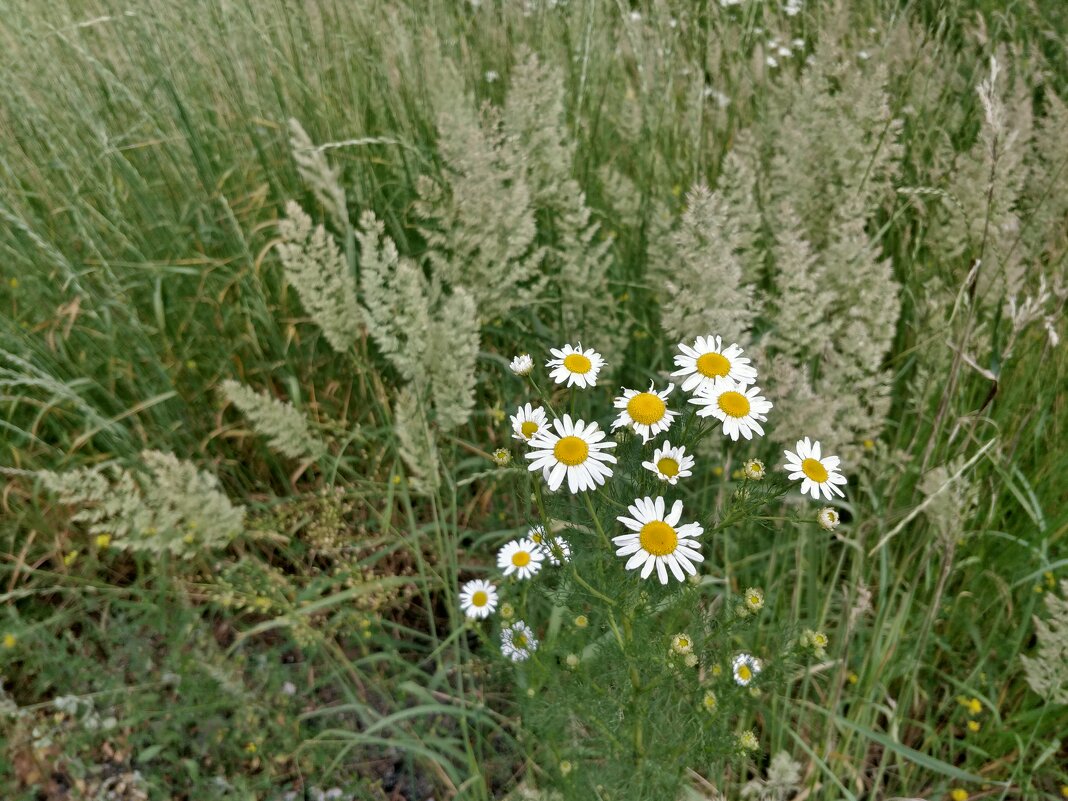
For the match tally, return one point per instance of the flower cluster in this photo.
(567, 451)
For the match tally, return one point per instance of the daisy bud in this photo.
(709, 701)
(748, 741)
(581, 622)
(522, 365)
(754, 470)
(754, 599)
(681, 644)
(690, 660)
(828, 518)
(502, 458)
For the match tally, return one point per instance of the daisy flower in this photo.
(646, 412)
(670, 464)
(576, 451)
(754, 470)
(522, 557)
(740, 409)
(754, 599)
(654, 540)
(518, 641)
(478, 598)
(528, 421)
(556, 549)
(828, 518)
(522, 364)
(575, 366)
(819, 474)
(681, 644)
(746, 668)
(706, 361)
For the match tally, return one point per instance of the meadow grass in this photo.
(144, 163)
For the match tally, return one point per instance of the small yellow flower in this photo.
(717, 471)
(1050, 581)
(103, 541)
(869, 444)
(10, 640)
(975, 706)
(973, 726)
(13, 283)
(1064, 790)
(581, 622)
(507, 611)
(717, 669)
(738, 474)
(396, 480)
(69, 558)
(251, 747)
(853, 677)
(959, 794)
(1039, 589)
(709, 701)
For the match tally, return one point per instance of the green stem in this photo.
(596, 520)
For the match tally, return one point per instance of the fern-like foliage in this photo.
(168, 507)
(316, 268)
(1047, 670)
(285, 427)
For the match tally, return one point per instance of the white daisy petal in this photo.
(739, 409)
(575, 366)
(707, 361)
(818, 475)
(527, 422)
(478, 598)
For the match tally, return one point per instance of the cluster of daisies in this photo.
(721, 382)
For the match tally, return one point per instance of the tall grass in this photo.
(145, 160)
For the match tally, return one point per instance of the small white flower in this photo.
(797, 44)
(746, 668)
(707, 361)
(522, 557)
(863, 55)
(289, 688)
(492, 76)
(740, 409)
(784, 51)
(654, 540)
(478, 598)
(575, 366)
(518, 641)
(771, 62)
(754, 599)
(646, 412)
(528, 421)
(670, 464)
(754, 470)
(792, 8)
(556, 549)
(575, 451)
(522, 364)
(819, 474)
(681, 644)
(828, 518)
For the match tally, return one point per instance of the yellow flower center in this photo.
(577, 363)
(646, 408)
(658, 538)
(519, 640)
(744, 673)
(521, 559)
(528, 429)
(571, 450)
(668, 467)
(536, 537)
(683, 642)
(814, 470)
(713, 365)
(734, 403)
(480, 598)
